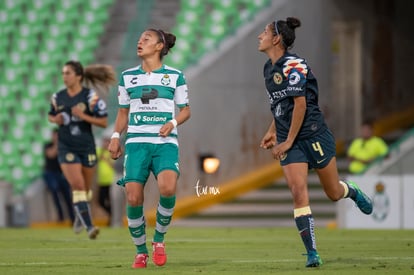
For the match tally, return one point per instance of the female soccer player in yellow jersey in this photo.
(147, 97)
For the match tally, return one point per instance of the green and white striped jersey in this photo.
(151, 99)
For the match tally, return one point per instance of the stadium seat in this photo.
(88, 31)
(64, 21)
(40, 5)
(7, 24)
(4, 170)
(81, 44)
(13, 8)
(52, 45)
(20, 178)
(38, 37)
(191, 4)
(9, 151)
(69, 6)
(204, 24)
(35, 20)
(49, 60)
(25, 44)
(13, 73)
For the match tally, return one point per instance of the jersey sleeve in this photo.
(181, 92)
(53, 105)
(96, 104)
(123, 96)
(295, 70)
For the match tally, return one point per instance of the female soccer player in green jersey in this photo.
(75, 109)
(298, 134)
(147, 96)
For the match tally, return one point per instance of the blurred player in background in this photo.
(365, 149)
(75, 109)
(105, 176)
(147, 97)
(55, 180)
(298, 134)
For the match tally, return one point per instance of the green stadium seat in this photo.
(47, 59)
(85, 44)
(43, 74)
(9, 151)
(229, 7)
(83, 57)
(25, 44)
(40, 5)
(95, 5)
(46, 130)
(190, 17)
(39, 89)
(4, 170)
(70, 5)
(27, 160)
(7, 24)
(4, 54)
(88, 31)
(64, 21)
(44, 34)
(25, 31)
(52, 45)
(36, 20)
(20, 178)
(53, 32)
(13, 73)
(94, 17)
(6, 96)
(13, 8)
(255, 5)
(191, 4)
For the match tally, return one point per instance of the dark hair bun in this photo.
(292, 22)
(169, 39)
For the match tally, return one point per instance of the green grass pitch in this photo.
(207, 251)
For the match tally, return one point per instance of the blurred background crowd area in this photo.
(39, 36)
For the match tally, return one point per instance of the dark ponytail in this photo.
(98, 76)
(287, 30)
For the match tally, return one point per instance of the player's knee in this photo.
(134, 201)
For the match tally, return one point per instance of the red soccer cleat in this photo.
(140, 261)
(158, 255)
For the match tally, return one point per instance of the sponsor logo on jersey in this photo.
(147, 108)
(147, 95)
(81, 106)
(69, 157)
(294, 78)
(134, 80)
(149, 119)
(277, 78)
